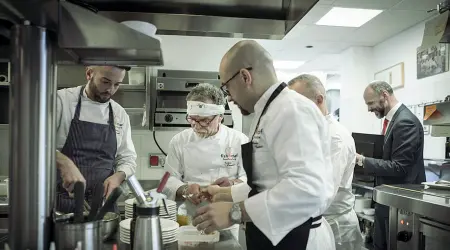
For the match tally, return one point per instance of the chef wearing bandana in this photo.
(207, 153)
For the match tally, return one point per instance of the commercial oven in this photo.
(418, 217)
(169, 89)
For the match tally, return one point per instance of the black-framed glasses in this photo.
(224, 87)
(203, 122)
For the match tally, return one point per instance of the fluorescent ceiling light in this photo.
(287, 64)
(348, 17)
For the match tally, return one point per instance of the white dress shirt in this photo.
(91, 111)
(291, 165)
(183, 170)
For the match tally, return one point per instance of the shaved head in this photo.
(247, 71)
(312, 88)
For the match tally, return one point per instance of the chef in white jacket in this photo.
(93, 136)
(208, 152)
(287, 160)
(340, 214)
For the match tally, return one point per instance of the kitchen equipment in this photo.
(169, 229)
(136, 189)
(169, 89)
(418, 217)
(362, 203)
(79, 202)
(191, 237)
(147, 233)
(109, 203)
(171, 213)
(110, 224)
(68, 234)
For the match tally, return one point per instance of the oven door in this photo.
(433, 235)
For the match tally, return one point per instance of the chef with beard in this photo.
(287, 160)
(207, 153)
(402, 161)
(93, 137)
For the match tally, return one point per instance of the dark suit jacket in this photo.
(402, 161)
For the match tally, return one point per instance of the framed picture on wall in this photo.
(432, 60)
(394, 75)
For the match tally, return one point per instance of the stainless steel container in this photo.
(89, 234)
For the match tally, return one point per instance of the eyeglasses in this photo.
(224, 87)
(203, 122)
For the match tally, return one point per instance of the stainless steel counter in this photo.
(431, 203)
(418, 217)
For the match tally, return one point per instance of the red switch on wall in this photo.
(154, 160)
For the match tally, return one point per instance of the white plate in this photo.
(168, 225)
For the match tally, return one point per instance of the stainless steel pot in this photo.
(110, 225)
(68, 234)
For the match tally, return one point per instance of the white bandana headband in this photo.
(204, 109)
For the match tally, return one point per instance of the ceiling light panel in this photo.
(348, 17)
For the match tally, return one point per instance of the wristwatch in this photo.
(236, 214)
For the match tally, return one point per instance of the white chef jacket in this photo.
(291, 165)
(182, 172)
(340, 215)
(91, 111)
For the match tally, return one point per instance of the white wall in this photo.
(400, 48)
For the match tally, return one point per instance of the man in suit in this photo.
(402, 161)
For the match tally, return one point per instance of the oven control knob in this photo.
(168, 118)
(404, 236)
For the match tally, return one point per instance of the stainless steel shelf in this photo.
(362, 185)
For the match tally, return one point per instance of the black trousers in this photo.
(381, 227)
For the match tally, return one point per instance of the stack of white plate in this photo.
(169, 229)
(171, 209)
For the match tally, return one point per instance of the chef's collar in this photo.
(259, 106)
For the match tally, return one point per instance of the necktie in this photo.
(385, 123)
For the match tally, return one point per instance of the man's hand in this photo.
(70, 174)
(359, 160)
(213, 217)
(193, 193)
(217, 193)
(112, 182)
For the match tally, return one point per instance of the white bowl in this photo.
(369, 211)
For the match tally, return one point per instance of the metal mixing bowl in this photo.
(110, 225)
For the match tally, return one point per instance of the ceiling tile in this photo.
(424, 5)
(321, 33)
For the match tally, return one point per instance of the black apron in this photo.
(297, 238)
(92, 147)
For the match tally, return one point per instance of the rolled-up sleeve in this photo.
(126, 153)
(175, 168)
(305, 185)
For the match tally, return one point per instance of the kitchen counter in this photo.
(227, 242)
(432, 203)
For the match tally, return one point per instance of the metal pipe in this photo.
(32, 143)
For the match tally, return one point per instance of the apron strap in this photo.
(78, 108)
(111, 115)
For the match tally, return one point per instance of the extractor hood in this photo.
(94, 39)
(437, 30)
(253, 19)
